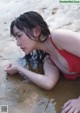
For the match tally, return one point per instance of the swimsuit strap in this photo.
(53, 42)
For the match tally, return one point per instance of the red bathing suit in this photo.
(72, 60)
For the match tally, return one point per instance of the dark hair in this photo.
(26, 22)
(35, 58)
(29, 20)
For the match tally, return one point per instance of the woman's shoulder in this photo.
(66, 39)
(61, 32)
(57, 35)
(61, 36)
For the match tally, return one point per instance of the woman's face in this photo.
(23, 41)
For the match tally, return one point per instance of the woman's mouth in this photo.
(23, 49)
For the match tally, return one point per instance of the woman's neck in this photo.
(45, 46)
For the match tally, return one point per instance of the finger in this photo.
(66, 104)
(66, 109)
(71, 110)
(8, 66)
(76, 111)
(9, 73)
(7, 70)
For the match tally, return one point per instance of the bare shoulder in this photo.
(68, 40)
(51, 71)
(48, 65)
(62, 37)
(47, 61)
(60, 34)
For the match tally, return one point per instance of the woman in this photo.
(31, 32)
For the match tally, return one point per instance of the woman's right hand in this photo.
(11, 69)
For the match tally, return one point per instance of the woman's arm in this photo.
(67, 40)
(46, 81)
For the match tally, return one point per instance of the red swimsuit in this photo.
(73, 62)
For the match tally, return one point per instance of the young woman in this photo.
(31, 32)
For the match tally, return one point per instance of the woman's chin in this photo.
(26, 53)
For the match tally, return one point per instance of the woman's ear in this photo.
(37, 31)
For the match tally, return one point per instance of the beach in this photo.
(18, 93)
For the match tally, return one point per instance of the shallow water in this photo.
(21, 95)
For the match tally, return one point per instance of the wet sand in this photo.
(21, 95)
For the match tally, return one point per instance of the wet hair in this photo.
(26, 22)
(29, 20)
(35, 58)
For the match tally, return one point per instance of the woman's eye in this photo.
(18, 35)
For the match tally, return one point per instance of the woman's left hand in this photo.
(72, 106)
(11, 68)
